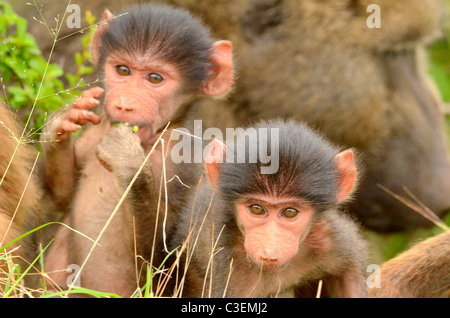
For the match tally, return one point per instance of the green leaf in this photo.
(53, 71)
(38, 64)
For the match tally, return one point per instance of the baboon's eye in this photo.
(256, 209)
(289, 213)
(123, 70)
(155, 78)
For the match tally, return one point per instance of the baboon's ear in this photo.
(96, 42)
(215, 157)
(221, 74)
(347, 173)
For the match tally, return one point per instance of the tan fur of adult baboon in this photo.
(364, 88)
(421, 271)
(12, 195)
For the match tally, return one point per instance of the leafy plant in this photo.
(31, 84)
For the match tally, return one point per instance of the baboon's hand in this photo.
(76, 115)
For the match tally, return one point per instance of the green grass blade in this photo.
(81, 290)
(6, 294)
(40, 227)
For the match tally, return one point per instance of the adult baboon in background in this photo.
(319, 62)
